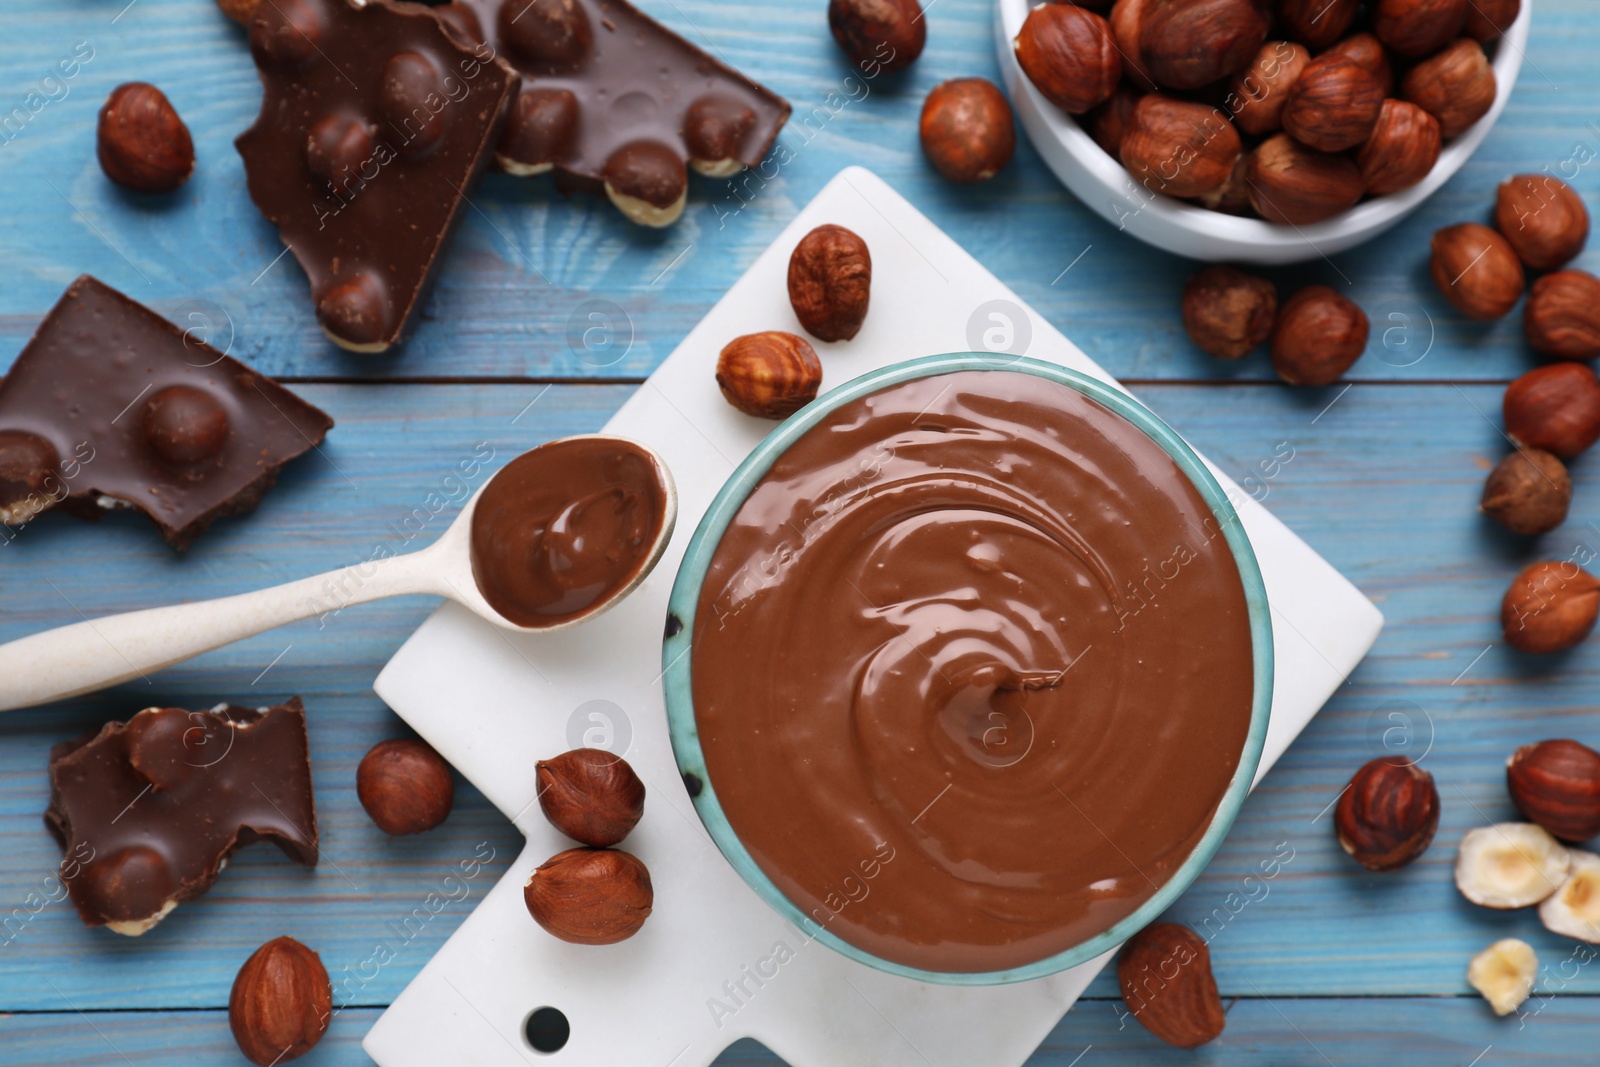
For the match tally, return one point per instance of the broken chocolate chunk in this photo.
(375, 123)
(112, 406)
(615, 102)
(147, 812)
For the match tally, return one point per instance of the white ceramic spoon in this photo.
(97, 653)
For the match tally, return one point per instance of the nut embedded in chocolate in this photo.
(590, 795)
(647, 182)
(405, 786)
(142, 143)
(410, 101)
(28, 476)
(830, 282)
(550, 36)
(539, 131)
(1227, 312)
(1528, 492)
(184, 425)
(338, 147)
(714, 131)
(286, 33)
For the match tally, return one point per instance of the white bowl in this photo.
(1182, 228)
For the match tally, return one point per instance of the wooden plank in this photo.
(1455, 1031)
(515, 296)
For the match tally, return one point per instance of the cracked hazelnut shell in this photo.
(1562, 316)
(589, 896)
(1164, 972)
(1319, 335)
(1543, 219)
(1387, 815)
(1476, 270)
(1227, 312)
(1457, 86)
(1555, 407)
(770, 375)
(1550, 607)
(1528, 492)
(1557, 785)
(1401, 150)
(1179, 147)
(590, 795)
(830, 282)
(1069, 55)
(1295, 185)
(281, 1002)
(142, 143)
(966, 130)
(1333, 105)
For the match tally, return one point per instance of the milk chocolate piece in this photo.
(147, 812)
(112, 406)
(972, 670)
(615, 102)
(375, 124)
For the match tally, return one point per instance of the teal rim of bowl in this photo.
(677, 660)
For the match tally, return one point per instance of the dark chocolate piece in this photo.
(375, 124)
(112, 406)
(614, 102)
(147, 812)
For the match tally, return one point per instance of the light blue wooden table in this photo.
(1324, 964)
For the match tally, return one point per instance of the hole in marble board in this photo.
(547, 1030)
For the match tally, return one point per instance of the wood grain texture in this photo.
(514, 294)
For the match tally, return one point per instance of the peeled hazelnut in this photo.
(590, 795)
(1476, 270)
(28, 481)
(966, 129)
(1488, 19)
(1402, 149)
(886, 34)
(830, 282)
(1259, 90)
(1165, 974)
(1557, 785)
(1187, 44)
(1543, 218)
(1550, 607)
(406, 787)
(1510, 865)
(1319, 335)
(1556, 408)
(1367, 50)
(1333, 105)
(1504, 973)
(1295, 185)
(281, 1002)
(770, 375)
(1109, 122)
(590, 896)
(1227, 312)
(1388, 814)
(1574, 909)
(1457, 86)
(1317, 23)
(1562, 317)
(1528, 492)
(1069, 56)
(1414, 28)
(143, 144)
(1179, 147)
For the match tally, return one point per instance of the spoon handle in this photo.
(96, 653)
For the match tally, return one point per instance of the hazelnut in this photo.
(240, 11)
(715, 130)
(1557, 785)
(1295, 185)
(1233, 196)
(770, 375)
(1457, 86)
(1414, 28)
(1259, 90)
(406, 787)
(1510, 865)
(590, 896)
(1367, 50)
(1319, 335)
(281, 1002)
(1387, 814)
(1476, 270)
(1556, 408)
(1402, 149)
(648, 182)
(1165, 974)
(184, 425)
(552, 36)
(1550, 607)
(966, 128)
(879, 35)
(1109, 122)
(1227, 312)
(462, 22)
(1187, 44)
(1504, 973)
(1488, 19)
(590, 795)
(143, 144)
(286, 33)
(1317, 23)
(1333, 105)
(410, 82)
(1543, 218)
(1069, 56)
(1562, 317)
(1127, 24)
(28, 481)
(830, 282)
(1528, 492)
(1179, 147)
(1574, 909)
